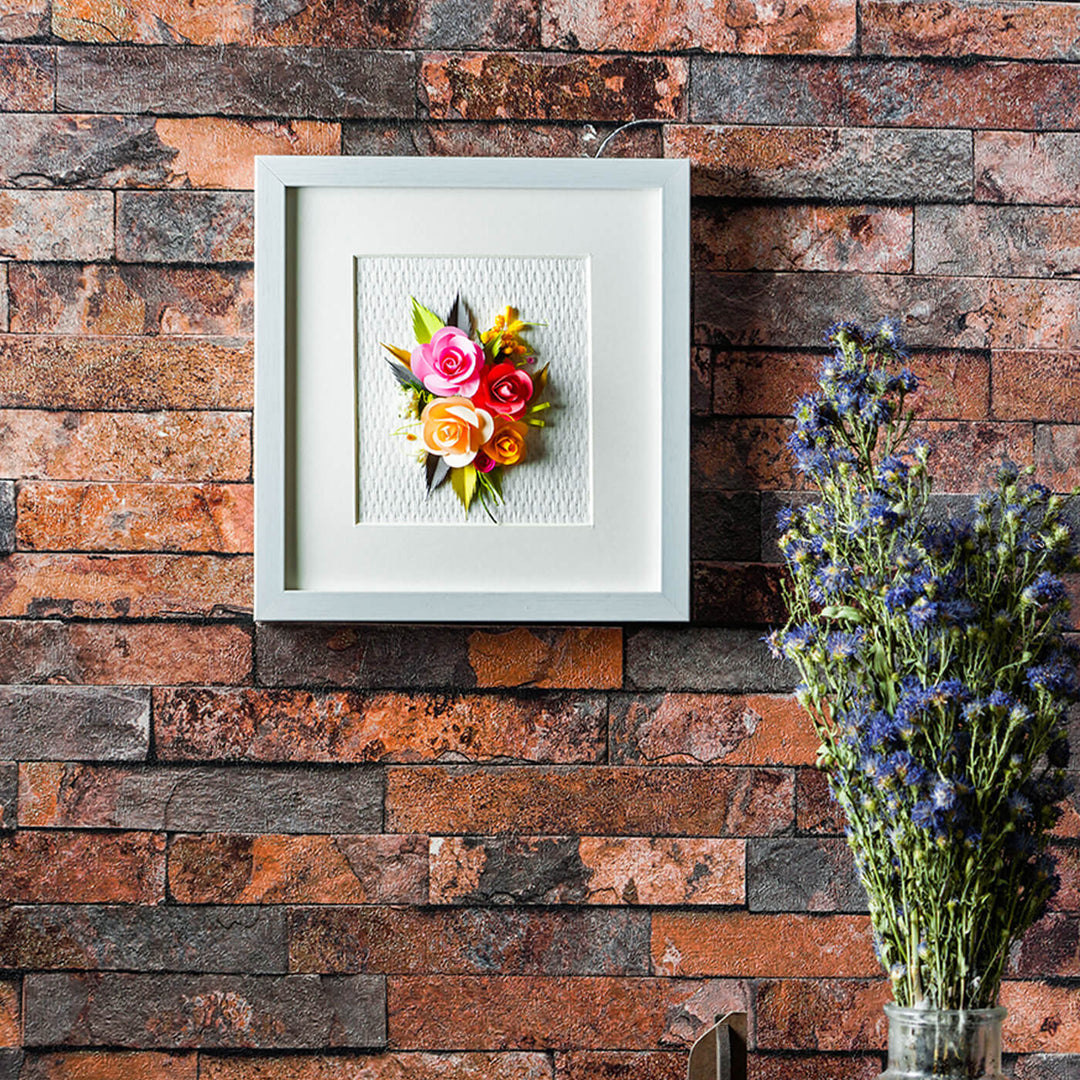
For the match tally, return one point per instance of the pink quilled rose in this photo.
(450, 364)
(505, 390)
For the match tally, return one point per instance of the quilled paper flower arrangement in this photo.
(469, 400)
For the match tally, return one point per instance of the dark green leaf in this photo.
(405, 376)
(437, 471)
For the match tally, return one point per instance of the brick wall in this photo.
(240, 851)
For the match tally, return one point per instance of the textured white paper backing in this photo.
(554, 485)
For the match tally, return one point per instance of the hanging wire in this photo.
(618, 130)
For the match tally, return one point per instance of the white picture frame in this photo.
(315, 560)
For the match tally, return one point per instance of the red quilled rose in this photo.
(504, 390)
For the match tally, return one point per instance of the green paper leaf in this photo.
(437, 471)
(463, 481)
(405, 377)
(840, 611)
(425, 322)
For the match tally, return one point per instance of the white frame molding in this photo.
(276, 360)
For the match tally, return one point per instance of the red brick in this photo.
(1068, 869)
(184, 226)
(1027, 167)
(416, 1066)
(816, 811)
(1042, 1019)
(82, 868)
(873, 239)
(56, 225)
(117, 300)
(493, 940)
(125, 373)
(164, 446)
(1022, 314)
(132, 586)
(135, 517)
(110, 1065)
(953, 385)
(1057, 456)
(824, 1014)
(743, 455)
(737, 594)
(599, 800)
(620, 1065)
(153, 22)
(298, 725)
(9, 1013)
(964, 28)
(27, 78)
(854, 164)
(138, 654)
(215, 153)
(530, 86)
(444, 1012)
(218, 869)
(814, 1067)
(475, 24)
(1010, 241)
(587, 658)
(755, 946)
(23, 19)
(1030, 385)
(965, 455)
(821, 26)
(588, 869)
(710, 729)
(457, 139)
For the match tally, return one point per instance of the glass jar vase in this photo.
(953, 1044)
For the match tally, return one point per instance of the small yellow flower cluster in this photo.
(510, 327)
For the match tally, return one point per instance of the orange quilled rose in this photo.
(455, 429)
(506, 446)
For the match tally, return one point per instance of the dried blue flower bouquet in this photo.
(937, 673)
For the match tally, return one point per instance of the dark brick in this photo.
(123, 373)
(7, 516)
(1010, 241)
(499, 140)
(193, 799)
(390, 940)
(11, 1065)
(1050, 948)
(816, 811)
(724, 525)
(27, 78)
(703, 659)
(347, 726)
(794, 309)
(163, 938)
(9, 794)
(236, 81)
(542, 86)
(58, 723)
(180, 1011)
(404, 657)
(123, 654)
(793, 874)
(891, 93)
(184, 226)
(68, 298)
(854, 164)
(1047, 1067)
(736, 594)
